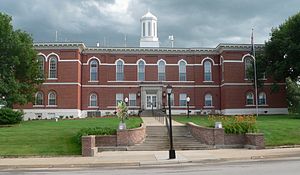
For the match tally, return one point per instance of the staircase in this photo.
(157, 139)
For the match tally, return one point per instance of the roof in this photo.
(149, 15)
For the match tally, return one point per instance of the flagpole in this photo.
(255, 76)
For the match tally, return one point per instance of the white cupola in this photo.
(149, 31)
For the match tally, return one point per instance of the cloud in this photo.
(202, 23)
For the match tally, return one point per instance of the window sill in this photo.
(51, 106)
(208, 107)
(93, 81)
(208, 81)
(93, 106)
(51, 78)
(38, 106)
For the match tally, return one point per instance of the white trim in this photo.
(208, 58)
(38, 106)
(109, 86)
(49, 106)
(93, 57)
(93, 81)
(208, 107)
(208, 81)
(247, 84)
(141, 59)
(30, 113)
(120, 59)
(180, 61)
(163, 61)
(253, 111)
(51, 78)
(151, 81)
(62, 83)
(96, 107)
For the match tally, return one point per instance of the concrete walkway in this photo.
(151, 121)
(149, 158)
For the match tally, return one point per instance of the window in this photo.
(141, 71)
(207, 71)
(249, 98)
(182, 71)
(94, 70)
(171, 99)
(248, 66)
(262, 98)
(52, 98)
(182, 99)
(39, 98)
(53, 68)
(93, 100)
(41, 64)
(161, 70)
(222, 62)
(132, 99)
(208, 100)
(120, 70)
(119, 97)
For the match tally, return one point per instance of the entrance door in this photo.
(151, 100)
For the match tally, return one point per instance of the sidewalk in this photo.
(148, 158)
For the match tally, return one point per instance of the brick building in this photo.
(82, 81)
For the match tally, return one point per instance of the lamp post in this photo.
(172, 154)
(188, 106)
(126, 100)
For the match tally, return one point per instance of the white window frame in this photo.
(250, 96)
(37, 98)
(119, 70)
(119, 97)
(93, 99)
(264, 95)
(182, 100)
(207, 71)
(182, 71)
(248, 64)
(208, 99)
(141, 71)
(51, 98)
(94, 70)
(132, 99)
(161, 70)
(53, 68)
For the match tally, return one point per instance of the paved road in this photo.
(274, 167)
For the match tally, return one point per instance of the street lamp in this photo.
(172, 154)
(126, 101)
(188, 106)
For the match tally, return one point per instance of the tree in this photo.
(19, 69)
(293, 95)
(282, 51)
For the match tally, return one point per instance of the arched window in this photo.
(52, 98)
(93, 100)
(94, 70)
(161, 70)
(141, 71)
(222, 62)
(182, 71)
(53, 67)
(249, 98)
(207, 71)
(41, 62)
(120, 71)
(39, 98)
(208, 100)
(248, 66)
(262, 98)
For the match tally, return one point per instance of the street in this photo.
(270, 167)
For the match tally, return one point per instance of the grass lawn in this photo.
(278, 129)
(47, 137)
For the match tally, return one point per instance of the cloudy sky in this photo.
(194, 23)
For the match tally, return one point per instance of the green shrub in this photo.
(9, 116)
(236, 124)
(95, 131)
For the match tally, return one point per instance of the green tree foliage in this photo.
(293, 95)
(19, 68)
(282, 51)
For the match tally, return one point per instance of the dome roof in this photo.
(149, 15)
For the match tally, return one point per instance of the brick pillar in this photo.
(219, 135)
(88, 146)
(255, 139)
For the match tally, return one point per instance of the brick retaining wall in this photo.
(217, 137)
(126, 137)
